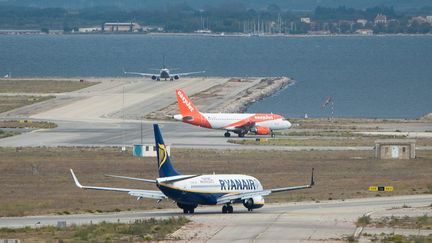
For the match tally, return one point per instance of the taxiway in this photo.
(287, 222)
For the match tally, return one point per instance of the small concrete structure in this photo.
(305, 20)
(146, 150)
(121, 27)
(395, 149)
(90, 29)
(380, 19)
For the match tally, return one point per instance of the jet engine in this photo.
(262, 130)
(153, 77)
(176, 77)
(254, 202)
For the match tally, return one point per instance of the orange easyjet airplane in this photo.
(239, 123)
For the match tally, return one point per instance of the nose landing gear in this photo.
(227, 209)
(227, 134)
(188, 210)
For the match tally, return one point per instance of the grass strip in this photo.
(141, 230)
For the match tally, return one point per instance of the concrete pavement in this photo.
(285, 222)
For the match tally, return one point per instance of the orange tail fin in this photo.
(185, 105)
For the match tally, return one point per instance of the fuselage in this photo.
(229, 121)
(206, 189)
(164, 73)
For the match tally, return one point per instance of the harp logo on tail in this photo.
(162, 154)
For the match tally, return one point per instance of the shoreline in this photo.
(248, 35)
(250, 96)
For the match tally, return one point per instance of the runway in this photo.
(94, 116)
(302, 221)
(177, 134)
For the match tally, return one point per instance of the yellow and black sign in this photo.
(381, 188)
(25, 121)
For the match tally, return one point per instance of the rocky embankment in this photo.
(215, 99)
(427, 117)
(265, 88)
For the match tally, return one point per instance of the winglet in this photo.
(312, 178)
(76, 179)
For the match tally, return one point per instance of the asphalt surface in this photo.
(287, 222)
(94, 117)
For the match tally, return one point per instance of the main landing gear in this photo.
(227, 209)
(188, 210)
(240, 134)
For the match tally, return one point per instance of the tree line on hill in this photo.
(228, 17)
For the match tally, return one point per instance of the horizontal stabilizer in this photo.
(176, 178)
(132, 178)
(188, 118)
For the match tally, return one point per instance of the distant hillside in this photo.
(294, 5)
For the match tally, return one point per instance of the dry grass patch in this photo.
(41, 86)
(138, 231)
(5, 134)
(37, 180)
(12, 102)
(307, 142)
(422, 222)
(27, 124)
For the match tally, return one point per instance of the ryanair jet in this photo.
(189, 191)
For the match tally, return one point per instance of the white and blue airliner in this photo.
(189, 191)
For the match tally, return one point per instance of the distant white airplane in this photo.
(164, 73)
(189, 191)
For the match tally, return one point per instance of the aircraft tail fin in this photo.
(165, 167)
(186, 107)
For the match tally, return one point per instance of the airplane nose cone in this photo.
(288, 124)
(178, 117)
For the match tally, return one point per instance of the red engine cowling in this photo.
(262, 130)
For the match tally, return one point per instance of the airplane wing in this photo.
(243, 125)
(158, 195)
(183, 74)
(142, 74)
(228, 198)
